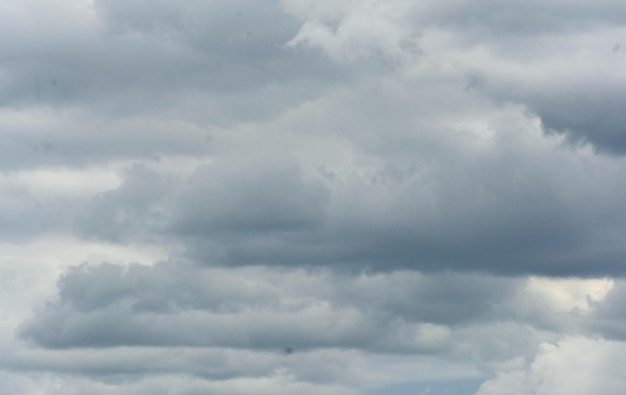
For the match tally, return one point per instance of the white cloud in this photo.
(573, 366)
(367, 31)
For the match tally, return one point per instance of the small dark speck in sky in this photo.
(288, 350)
(617, 47)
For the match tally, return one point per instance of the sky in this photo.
(312, 197)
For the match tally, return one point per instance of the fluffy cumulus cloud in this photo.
(312, 197)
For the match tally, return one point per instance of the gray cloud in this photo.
(256, 197)
(504, 213)
(124, 51)
(80, 95)
(400, 193)
(174, 305)
(131, 210)
(561, 62)
(513, 19)
(43, 138)
(585, 110)
(196, 318)
(22, 216)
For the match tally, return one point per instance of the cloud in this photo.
(572, 366)
(135, 321)
(164, 384)
(253, 196)
(388, 179)
(175, 305)
(372, 32)
(564, 71)
(506, 200)
(406, 195)
(179, 52)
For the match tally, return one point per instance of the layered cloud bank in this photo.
(312, 197)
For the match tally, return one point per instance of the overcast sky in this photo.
(308, 197)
